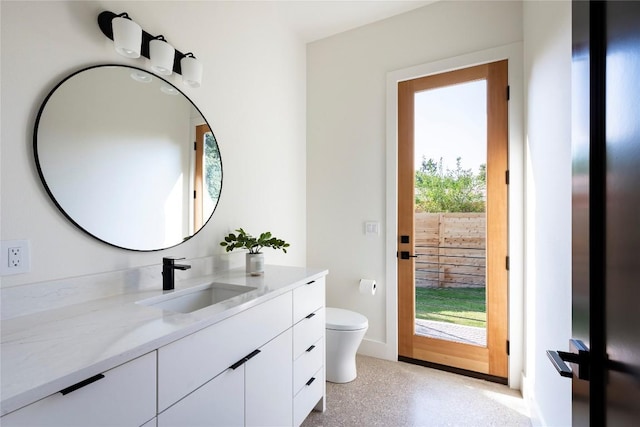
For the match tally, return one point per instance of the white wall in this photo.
(253, 95)
(346, 136)
(547, 65)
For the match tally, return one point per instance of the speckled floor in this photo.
(397, 394)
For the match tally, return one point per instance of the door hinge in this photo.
(508, 93)
(506, 177)
(507, 262)
(508, 349)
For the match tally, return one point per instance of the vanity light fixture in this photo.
(161, 55)
(191, 70)
(127, 36)
(164, 58)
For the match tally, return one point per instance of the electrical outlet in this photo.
(14, 257)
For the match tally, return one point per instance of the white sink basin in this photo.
(196, 298)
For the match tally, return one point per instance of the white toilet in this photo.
(345, 330)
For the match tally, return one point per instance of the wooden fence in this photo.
(451, 249)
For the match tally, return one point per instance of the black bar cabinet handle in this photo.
(311, 282)
(238, 363)
(311, 348)
(311, 380)
(310, 316)
(253, 354)
(244, 360)
(81, 384)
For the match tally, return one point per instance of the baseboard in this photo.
(377, 349)
(529, 397)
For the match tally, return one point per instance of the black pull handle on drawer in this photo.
(311, 348)
(311, 282)
(81, 384)
(238, 363)
(244, 360)
(253, 354)
(311, 380)
(310, 316)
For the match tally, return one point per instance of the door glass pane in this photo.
(450, 134)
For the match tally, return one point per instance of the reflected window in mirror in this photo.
(208, 173)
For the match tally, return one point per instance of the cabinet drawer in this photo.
(220, 402)
(126, 395)
(186, 364)
(309, 362)
(307, 299)
(307, 331)
(307, 398)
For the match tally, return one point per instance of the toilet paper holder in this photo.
(368, 286)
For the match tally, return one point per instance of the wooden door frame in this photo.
(199, 172)
(492, 359)
(387, 347)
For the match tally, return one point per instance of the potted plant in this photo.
(255, 258)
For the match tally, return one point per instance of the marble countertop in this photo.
(44, 352)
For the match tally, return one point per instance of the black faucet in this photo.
(168, 268)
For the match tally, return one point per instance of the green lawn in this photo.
(462, 306)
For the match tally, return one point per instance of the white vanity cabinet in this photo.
(261, 366)
(244, 362)
(308, 349)
(124, 395)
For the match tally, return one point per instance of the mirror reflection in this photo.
(128, 158)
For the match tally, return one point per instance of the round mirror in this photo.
(127, 157)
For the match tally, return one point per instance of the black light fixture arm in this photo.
(104, 22)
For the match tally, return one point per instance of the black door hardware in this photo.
(406, 255)
(579, 355)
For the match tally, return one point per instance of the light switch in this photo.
(372, 228)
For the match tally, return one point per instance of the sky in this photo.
(451, 122)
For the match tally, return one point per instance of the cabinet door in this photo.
(124, 396)
(220, 402)
(269, 377)
(188, 363)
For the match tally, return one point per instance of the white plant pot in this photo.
(255, 264)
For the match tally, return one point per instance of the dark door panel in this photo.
(623, 212)
(605, 215)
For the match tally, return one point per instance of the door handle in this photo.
(406, 255)
(579, 355)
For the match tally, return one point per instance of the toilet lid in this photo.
(345, 320)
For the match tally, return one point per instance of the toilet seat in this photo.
(338, 319)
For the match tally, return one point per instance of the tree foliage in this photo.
(457, 190)
(212, 166)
